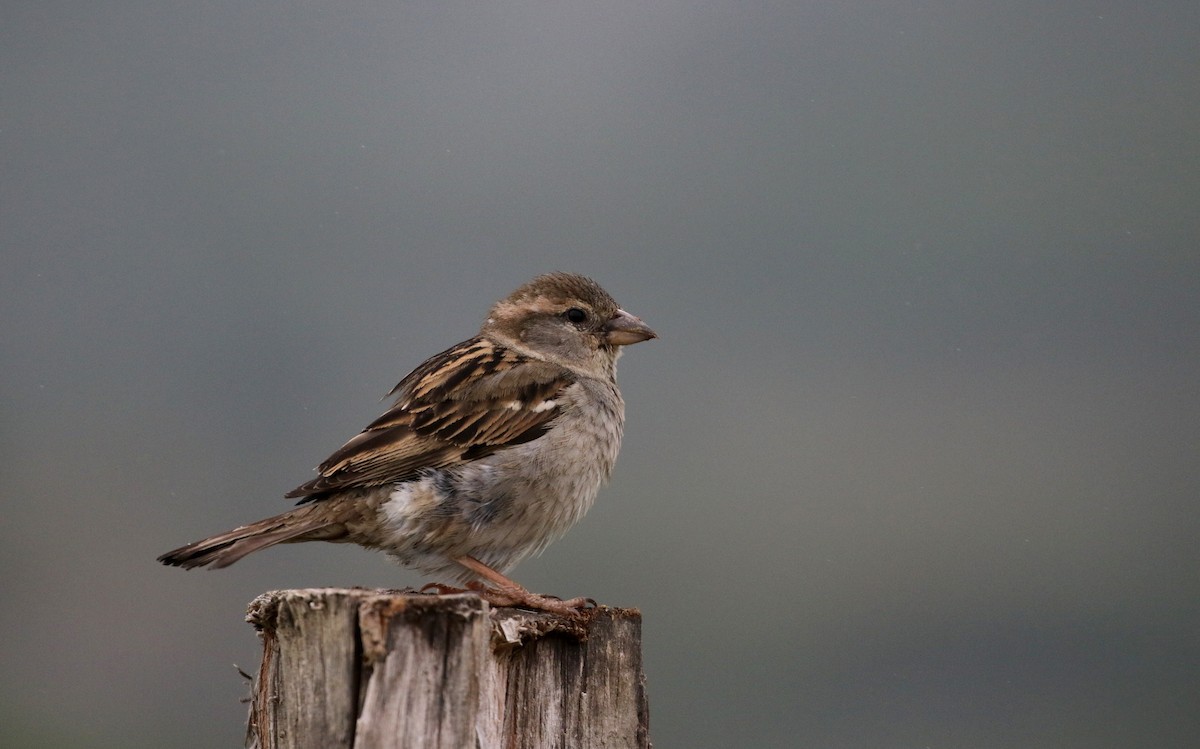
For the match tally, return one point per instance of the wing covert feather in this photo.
(467, 402)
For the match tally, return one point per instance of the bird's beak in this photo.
(624, 329)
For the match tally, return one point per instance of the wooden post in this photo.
(376, 669)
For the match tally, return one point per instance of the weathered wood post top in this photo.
(378, 669)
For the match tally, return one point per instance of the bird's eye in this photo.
(575, 315)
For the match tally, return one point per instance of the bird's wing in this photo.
(467, 402)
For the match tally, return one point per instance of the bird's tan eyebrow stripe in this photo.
(539, 305)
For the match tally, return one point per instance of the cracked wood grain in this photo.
(367, 669)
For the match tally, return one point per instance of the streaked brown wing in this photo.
(464, 403)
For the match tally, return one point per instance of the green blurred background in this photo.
(916, 461)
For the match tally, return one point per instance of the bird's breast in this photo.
(512, 503)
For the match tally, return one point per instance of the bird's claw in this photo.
(574, 608)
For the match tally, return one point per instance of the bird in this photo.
(491, 451)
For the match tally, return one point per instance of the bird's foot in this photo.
(506, 592)
(572, 608)
(516, 595)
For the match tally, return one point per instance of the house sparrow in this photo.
(494, 449)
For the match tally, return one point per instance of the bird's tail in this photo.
(309, 522)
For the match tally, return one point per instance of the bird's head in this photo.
(566, 319)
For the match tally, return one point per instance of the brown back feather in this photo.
(467, 402)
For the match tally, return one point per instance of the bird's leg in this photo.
(506, 592)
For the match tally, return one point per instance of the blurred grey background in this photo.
(916, 461)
